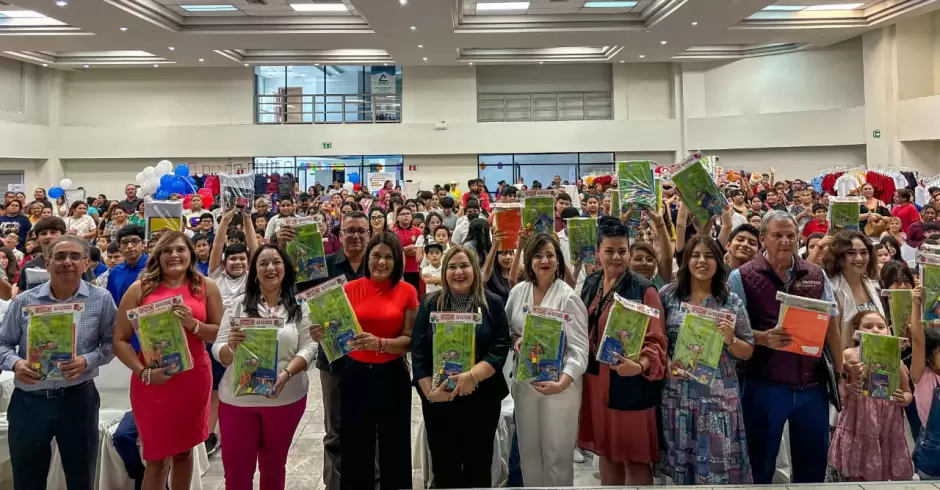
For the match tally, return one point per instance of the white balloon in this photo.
(164, 167)
(149, 172)
(66, 183)
(160, 171)
(140, 178)
(348, 186)
(165, 162)
(148, 187)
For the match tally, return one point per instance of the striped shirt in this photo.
(93, 333)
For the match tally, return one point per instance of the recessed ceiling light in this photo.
(663, 43)
(694, 23)
(123, 29)
(61, 3)
(642, 56)
(246, 64)
(45, 65)
(209, 8)
(316, 64)
(783, 8)
(541, 62)
(171, 48)
(86, 66)
(156, 66)
(420, 45)
(489, 7)
(413, 28)
(839, 6)
(609, 5)
(201, 60)
(319, 7)
(425, 58)
(622, 61)
(471, 62)
(384, 64)
(403, 2)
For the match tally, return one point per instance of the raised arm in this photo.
(218, 246)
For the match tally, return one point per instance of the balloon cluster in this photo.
(59, 191)
(163, 180)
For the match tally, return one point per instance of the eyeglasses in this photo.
(131, 242)
(63, 256)
(356, 231)
(376, 218)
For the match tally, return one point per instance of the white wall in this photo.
(23, 92)
(643, 91)
(576, 77)
(791, 163)
(441, 169)
(30, 169)
(159, 97)
(661, 158)
(432, 94)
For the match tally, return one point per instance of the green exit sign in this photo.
(327, 145)
(876, 133)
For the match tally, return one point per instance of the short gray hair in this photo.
(776, 215)
(83, 244)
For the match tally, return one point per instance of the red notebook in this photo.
(508, 219)
(807, 329)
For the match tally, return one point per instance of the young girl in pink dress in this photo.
(869, 443)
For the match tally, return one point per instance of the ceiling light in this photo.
(413, 28)
(156, 66)
(541, 62)
(642, 56)
(45, 65)
(471, 62)
(403, 2)
(209, 8)
(622, 61)
(319, 7)
(489, 7)
(694, 23)
(384, 64)
(609, 5)
(201, 60)
(420, 45)
(663, 43)
(21, 14)
(86, 66)
(839, 6)
(316, 64)
(425, 58)
(783, 8)
(171, 48)
(123, 29)
(61, 3)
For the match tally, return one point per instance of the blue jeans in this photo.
(767, 407)
(515, 466)
(125, 443)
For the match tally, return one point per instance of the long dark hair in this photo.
(428, 233)
(12, 268)
(888, 239)
(719, 284)
(377, 209)
(390, 239)
(253, 296)
(479, 232)
(841, 246)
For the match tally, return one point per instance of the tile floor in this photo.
(305, 460)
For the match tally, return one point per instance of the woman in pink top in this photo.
(925, 371)
(171, 412)
(904, 210)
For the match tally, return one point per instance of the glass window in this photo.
(544, 167)
(494, 168)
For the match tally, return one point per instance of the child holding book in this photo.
(869, 443)
(925, 371)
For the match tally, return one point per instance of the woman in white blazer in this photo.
(851, 268)
(547, 412)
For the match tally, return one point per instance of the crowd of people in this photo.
(406, 257)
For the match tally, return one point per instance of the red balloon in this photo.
(204, 192)
(356, 187)
(207, 200)
(186, 200)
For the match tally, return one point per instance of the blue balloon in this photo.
(161, 194)
(177, 186)
(181, 171)
(166, 180)
(353, 178)
(55, 192)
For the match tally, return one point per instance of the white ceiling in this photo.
(272, 32)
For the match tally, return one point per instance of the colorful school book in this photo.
(330, 308)
(582, 240)
(900, 307)
(625, 330)
(636, 184)
(699, 344)
(616, 203)
(697, 188)
(508, 219)
(543, 344)
(806, 320)
(453, 345)
(162, 340)
(162, 215)
(50, 337)
(538, 211)
(844, 213)
(930, 280)
(255, 360)
(881, 355)
(306, 249)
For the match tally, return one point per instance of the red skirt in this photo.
(617, 435)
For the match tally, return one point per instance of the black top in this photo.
(492, 344)
(336, 265)
(130, 207)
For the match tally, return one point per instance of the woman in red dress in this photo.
(171, 412)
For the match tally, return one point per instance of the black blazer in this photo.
(492, 344)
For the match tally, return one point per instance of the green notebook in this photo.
(454, 345)
(699, 344)
(330, 308)
(542, 350)
(881, 355)
(255, 363)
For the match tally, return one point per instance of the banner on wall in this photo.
(377, 180)
(411, 189)
(383, 80)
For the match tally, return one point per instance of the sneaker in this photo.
(212, 444)
(578, 456)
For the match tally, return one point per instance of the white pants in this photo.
(547, 428)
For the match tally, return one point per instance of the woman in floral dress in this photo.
(702, 426)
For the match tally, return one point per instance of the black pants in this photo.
(375, 403)
(460, 437)
(68, 415)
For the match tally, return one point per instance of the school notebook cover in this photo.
(881, 355)
(625, 330)
(453, 345)
(330, 308)
(255, 360)
(930, 281)
(844, 214)
(162, 341)
(306, 249)
(543, 344)
(699, 344)
(698, 190)
(538, 211)
(636, 184)
(508, 220)
(806, 320)
(50, 337)
(900, 307)
(582, 240)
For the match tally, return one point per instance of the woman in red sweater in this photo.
(904, 210)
